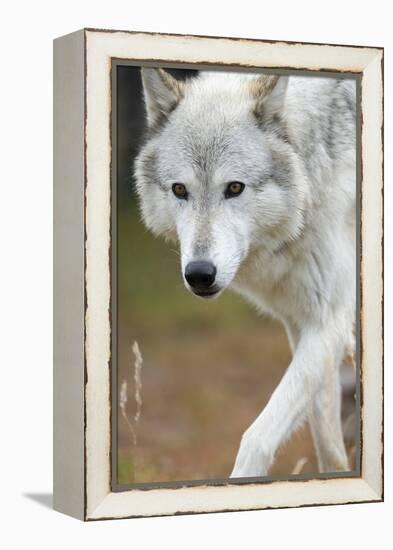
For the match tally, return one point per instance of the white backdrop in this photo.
(26, 272)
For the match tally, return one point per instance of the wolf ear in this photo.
(269, 95)
(162, 93)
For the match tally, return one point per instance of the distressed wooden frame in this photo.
(82, 252)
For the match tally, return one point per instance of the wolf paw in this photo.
(252, 460)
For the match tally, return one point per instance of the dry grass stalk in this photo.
(138, 380)
(123, 400)
(352, 457)
(299, 465)
(123, 407)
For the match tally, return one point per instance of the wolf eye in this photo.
(179, 190)
(234, 189)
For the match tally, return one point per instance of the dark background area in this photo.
(208, 369)
(131, 125)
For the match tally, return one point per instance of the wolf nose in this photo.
(200, 274)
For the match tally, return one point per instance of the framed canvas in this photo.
(218, 273)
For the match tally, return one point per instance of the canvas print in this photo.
(234, 273)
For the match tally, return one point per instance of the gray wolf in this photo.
(254, 177)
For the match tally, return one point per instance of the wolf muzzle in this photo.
(201, 275)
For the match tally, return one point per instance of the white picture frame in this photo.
(82, 241)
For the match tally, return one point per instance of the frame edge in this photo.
(68, 289)
(104, 508)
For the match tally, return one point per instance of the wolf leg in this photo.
(325, 414)
(290, 403)
(325, 422)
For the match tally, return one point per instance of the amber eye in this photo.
(234, 189)
(179, 190)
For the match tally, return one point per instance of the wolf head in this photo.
(218, 173)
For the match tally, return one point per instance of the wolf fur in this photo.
(286, 243)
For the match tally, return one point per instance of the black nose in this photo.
(200, 274)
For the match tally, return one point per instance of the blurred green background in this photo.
(209, 367)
